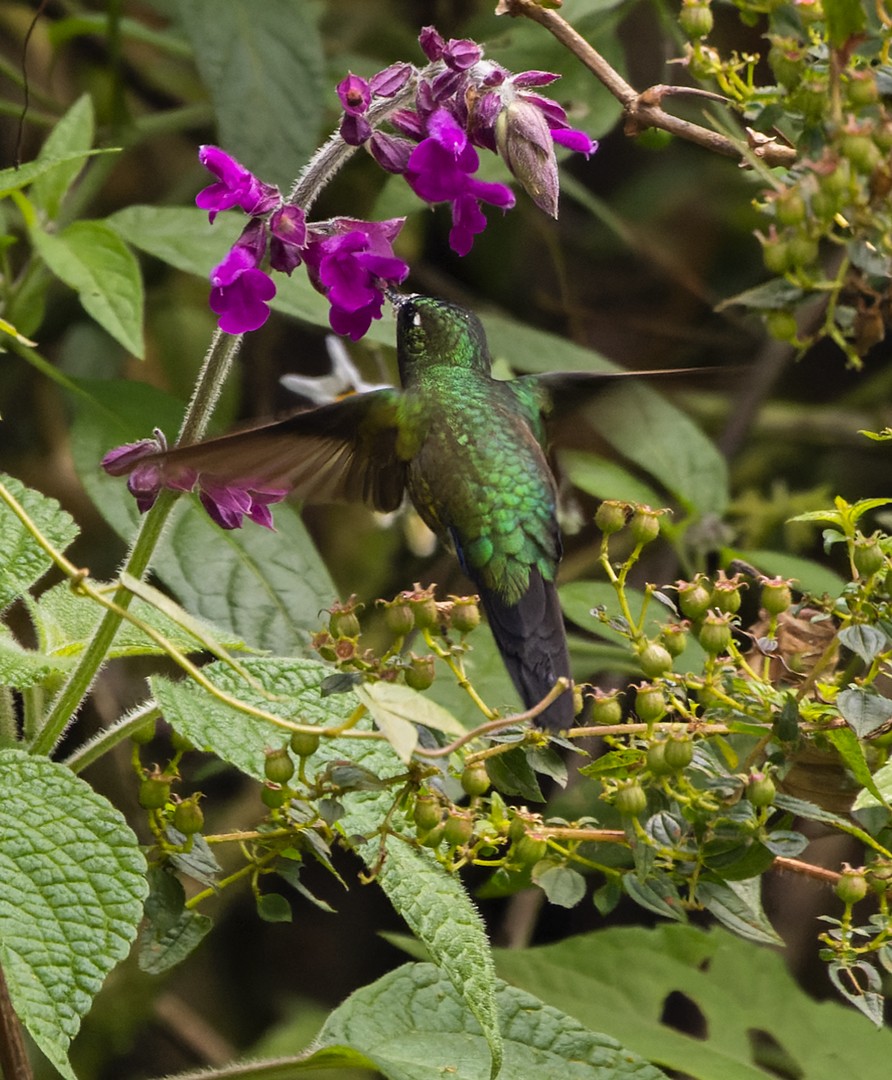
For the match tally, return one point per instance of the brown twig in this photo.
(14, 1063)
(644, 110)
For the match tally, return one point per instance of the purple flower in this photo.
(391, 80)
(239, 290)
(441, 169)
(351, 264)
(458, 54)
(235, 186)
(288, 236)
(228, 505)
(356, 96)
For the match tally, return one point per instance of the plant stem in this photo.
(14, 1063)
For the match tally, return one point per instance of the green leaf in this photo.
(24, 561)
(512, 774)
(396, 709)
(73, 133)
(605, 479)
(655, 894)
(266, 587)
(561, 884)
(72, 883)
(15, 179)
(93, 260)
(261, 63)
(738, 905)
(864, 710)
(852, 753)
(411, 1025)
(273, 907)
(775, 295)
(882, 781)
(178, 235)
(163, 947)
(64, 622)
(845, 19)
(865, 641)
(619, 980)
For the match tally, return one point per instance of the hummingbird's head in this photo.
(432, 332)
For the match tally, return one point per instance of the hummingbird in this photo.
(469, 450)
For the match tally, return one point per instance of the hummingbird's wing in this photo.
(556, 392)
(345, 451)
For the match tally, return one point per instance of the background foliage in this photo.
(104, 269)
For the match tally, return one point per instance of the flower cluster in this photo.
(350, 261)
(460, 102)
(227, 504)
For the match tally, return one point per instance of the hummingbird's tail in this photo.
(531, 638)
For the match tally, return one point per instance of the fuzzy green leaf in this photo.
(14, 179)
(72, 883)
(411, 1024)
(93, 260)
(24, 561)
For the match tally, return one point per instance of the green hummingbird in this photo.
(470, 452)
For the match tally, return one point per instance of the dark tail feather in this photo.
(531, 638)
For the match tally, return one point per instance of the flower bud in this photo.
(525, 144)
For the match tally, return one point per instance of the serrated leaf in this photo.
(161, 948)
(93, 260)
(738, 905)
(24, 560)
(64, 622)
(198, 862)
(882, 781)
(864, 710)
(619, 980)
(512, 774)
(72, 883)
(411, 1025)
(860, 984)
(433, 902)
(785, 842)
(265, 587)
(71, 134)
(261, 62)
(561, 884)
(866, 641)
(854, 758)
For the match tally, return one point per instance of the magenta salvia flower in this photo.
(288, 237)
(441, 169)
(356, 95)
(240, 291)
(227, 504)
(235, 186)
(352, 263)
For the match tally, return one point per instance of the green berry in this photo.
(776, 595)
(851, 887)
(420, 672)
(655, 660)
(273, 795)
(343, 621)
(674, 638)
(154, 791)
(187, 816)
(398, 616)
(427, 812)
(434, 838)
(679, 752)
(650, 703)
(789, 207)
(726, 596)
(645, 525)
(630, 799)
(606, 708)
(475, 779)
(782, 325)
(696, 19)
(143, 734)
(715, 633)
(868, 556)
(304, 743)
(656, 759)
(693, 598)
(528, 850)
(611, 516)
(465, 614)
(278, 766)
(458, 828)
(862, 152)
(776, 255)
(424, 608)
(760, 790)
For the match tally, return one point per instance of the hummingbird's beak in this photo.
(395, 296)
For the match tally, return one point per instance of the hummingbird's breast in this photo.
(478, 476)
